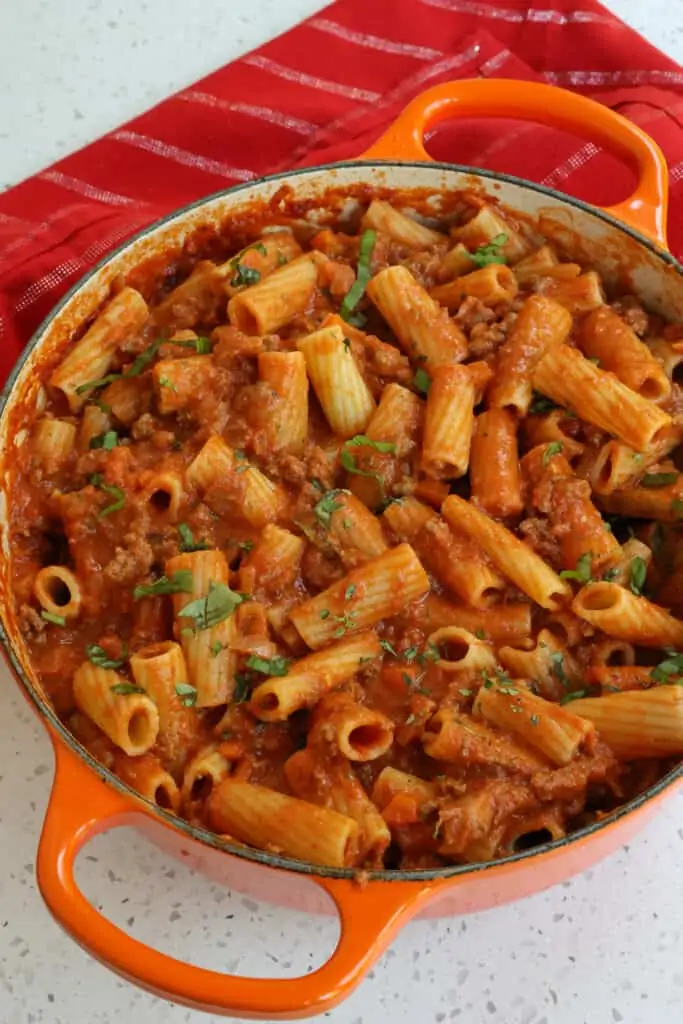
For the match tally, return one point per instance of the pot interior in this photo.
(321, 195)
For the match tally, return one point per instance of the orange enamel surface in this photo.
(82, 805)
(645, 210)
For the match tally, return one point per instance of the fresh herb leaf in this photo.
(55, 620)
(557, 662)
(480, 634)
(389, 648)
(179, 583)
(637, 575)
(164, 382)
(217, 647)
(534, 719)
(610, 574)
(658, 479)
(93, 385)
(219, 604)
(245, 276)
(490, 253)
(243, 684)
(554, 448)
(589, 691)
(542, 404)
(187, 541)
(141, 362)
(123, 689)
(276, 666)
(115, 492)
(325, 613)
(361, 441)
(187, 694)
(98, 656)
(422, 381)
(671, 666)
(108, 440)
(347, 344)
(430, 653)
(363, 275)
(465, 692)
(346, 622)
(327, 506)
(583, 572)
(410, 654)
(201, 345)
(349, 592)
(246, 545)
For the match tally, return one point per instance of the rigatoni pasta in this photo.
(358, 539)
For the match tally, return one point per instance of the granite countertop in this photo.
(600, 949)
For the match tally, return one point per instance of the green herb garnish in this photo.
(637, 575)
(327, 506)
(179, 583)
(245, 276)
(389, 648)
(583, 572)
(276, 666)
(489, 253)
(108, 440)
(363, 275)
(119, 495)
(243, 684)
(55, 620)
(557, 662)
(123, 689)
(554, 448)
(542, 404)
(219, 604)
(422, 381)
(187, 541)
(671, 666)
(98, 656)
(658, 479)
(187, 694)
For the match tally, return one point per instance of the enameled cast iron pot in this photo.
(625, 241)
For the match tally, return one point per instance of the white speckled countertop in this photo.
(601, 949)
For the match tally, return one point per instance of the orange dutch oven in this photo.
(626, 242)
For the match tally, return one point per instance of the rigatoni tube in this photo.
(129, 718)
(449, 422)
(337, 381)
(375, 591)
(619, 613)
(639, 723)
(273, 821)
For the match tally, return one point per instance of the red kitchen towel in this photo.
(324, 91)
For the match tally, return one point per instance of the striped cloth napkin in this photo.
(324, 91)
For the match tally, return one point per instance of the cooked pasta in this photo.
(359, 539)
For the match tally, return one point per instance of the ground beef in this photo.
(633, 314)
(538, 535)
(133, 560)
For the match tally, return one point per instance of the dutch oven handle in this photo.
(82, 805)
(644, 211)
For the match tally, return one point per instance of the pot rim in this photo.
(203, 835)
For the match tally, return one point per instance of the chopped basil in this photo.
(123, 689)
(554, 448)
(246, 545)
(216, 648)
(410, 654)
(583, 572)
(245, 276)
(164, 382)
(187, 694)
(658, 479)
(98, 656)
(490, 253)
(119, 495)
(276, 666)
(325, 613)
(671, 666)
(243, 684)
(389, 648)
(430, 653)
(542, 404)
(201, 345)
(327, 505)
(637, 575)
(55, 620)
(187, 541)
(361, 441)
(108, 440)
(480, 634)
(93, 385)
(138, 366)
(349, 592)
(465, 692)
(590, 691)
(422, 381)
(610, 574)
(363, 275)
(179, 583)
(219, 604)
(346, 622)
(557, 662)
